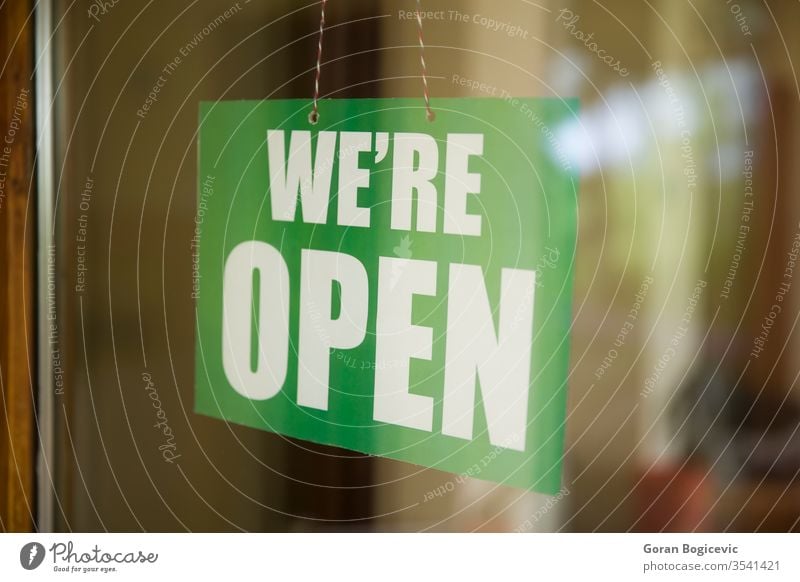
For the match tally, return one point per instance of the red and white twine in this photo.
(313, 117)
(428, 111)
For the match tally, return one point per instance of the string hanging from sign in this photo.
(313, 117)
(428, 111)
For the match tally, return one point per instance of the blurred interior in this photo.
(699, 437)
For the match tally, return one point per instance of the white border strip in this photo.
(400, 557)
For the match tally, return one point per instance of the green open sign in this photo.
(387, 284)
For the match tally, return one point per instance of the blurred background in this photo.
(683, 399)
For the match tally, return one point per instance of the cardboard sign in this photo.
(387, 284)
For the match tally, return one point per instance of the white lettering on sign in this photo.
(286, 177)
(352, 178)
(415, 165)
(398, 341)
(459, 182)
(318, 331)
(408, 177)
(500, 361)
(334, 290)
(267, 379)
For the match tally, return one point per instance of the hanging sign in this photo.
(387, 284)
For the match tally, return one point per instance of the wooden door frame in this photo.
(17, 268)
